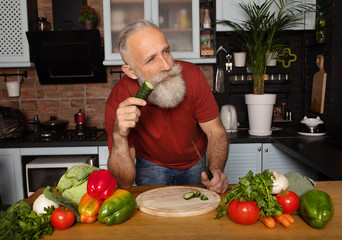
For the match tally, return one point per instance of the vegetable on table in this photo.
(245, 212)
(316, 207)
(299, 184)
(280, 183)
(101, 184)
(88, 208)
(73, 184)
(61, 201)
(268, 221)
(284, 219)
(20, 222)
(195, 194)
(289, 201)
(117, 208)
(62, 218)
(257, 188)
(41, 203)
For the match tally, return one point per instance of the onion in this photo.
(280, 183)
(42, 202)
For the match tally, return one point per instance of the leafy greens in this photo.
(20, 222)
(255, 188)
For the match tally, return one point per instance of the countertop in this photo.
(323, 153)
(143, 225)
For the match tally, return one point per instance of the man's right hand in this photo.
(127, 115)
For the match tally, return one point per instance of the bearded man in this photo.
(153, 145)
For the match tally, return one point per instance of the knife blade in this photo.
(209, 173)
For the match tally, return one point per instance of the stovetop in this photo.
(89, 134)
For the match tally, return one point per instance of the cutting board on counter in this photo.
(169, 202)
(318, 86)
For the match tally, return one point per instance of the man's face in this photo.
(150, 59)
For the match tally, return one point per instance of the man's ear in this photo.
(129, 71)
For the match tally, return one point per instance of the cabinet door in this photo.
(11, 180)
(277, 160)
(241, 159)
(14, 51)
(179, 20)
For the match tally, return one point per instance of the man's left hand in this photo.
(218, 183)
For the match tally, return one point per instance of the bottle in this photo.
(36, 124)
(206, 20)
(320, 28)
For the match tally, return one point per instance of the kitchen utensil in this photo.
(169, 202)
(318, 86)
(229, 118)
(219, 83)
(209, 173)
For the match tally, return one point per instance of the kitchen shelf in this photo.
(245, 82)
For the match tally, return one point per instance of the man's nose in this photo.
(164, 64)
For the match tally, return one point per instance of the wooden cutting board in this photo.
(169, 202)
(318, 87)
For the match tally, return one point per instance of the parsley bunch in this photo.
(20, 222)
(255, 188)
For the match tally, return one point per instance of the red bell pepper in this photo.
(101, 184)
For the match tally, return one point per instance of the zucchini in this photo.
(61, 201)
(188, 195)
(144, 91)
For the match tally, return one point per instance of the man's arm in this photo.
(217, 151)
(121, 161)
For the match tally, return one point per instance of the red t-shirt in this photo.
(164, 136)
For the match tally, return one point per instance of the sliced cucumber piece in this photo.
(195, 194)
(144, 91)
(203, 197)
(188, 195)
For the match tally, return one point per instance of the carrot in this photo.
(282, 220)
(268, 221)
(289, 217)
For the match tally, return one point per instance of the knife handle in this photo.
(210, 175)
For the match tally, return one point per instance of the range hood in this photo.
(63, 57)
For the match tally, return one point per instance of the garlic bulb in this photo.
(280, 183)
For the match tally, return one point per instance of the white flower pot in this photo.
(260, 110)
(239, 59)
(13, 88)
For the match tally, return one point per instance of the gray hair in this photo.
(128, 30)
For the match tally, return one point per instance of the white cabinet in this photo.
(179, 20)
(11, 180)
(103, 157)
(277, 160)
(14, 48)
(241, 159)
(258, 157)
(230, 10)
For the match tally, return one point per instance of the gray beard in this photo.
(166, 93)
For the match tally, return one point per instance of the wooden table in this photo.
(145, 226)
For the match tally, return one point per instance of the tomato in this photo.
(289, 201)
(243, 212)
(62, 218)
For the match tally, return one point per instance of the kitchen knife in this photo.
(209, 173)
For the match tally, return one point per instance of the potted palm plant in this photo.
(259, 36)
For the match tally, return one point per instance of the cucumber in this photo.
(144, 91)
(195, 194)
(61, 201)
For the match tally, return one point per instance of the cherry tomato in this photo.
(243, 212)
(289, 201)
(62, 218)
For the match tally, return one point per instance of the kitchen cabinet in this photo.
(179, 20)
(11, 180)
(229, 9)
(14, 48)
(258, 157)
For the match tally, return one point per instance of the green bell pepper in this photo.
(117, 208)
(316, 207)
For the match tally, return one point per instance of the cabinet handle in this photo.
(266, 149)
(259, 149)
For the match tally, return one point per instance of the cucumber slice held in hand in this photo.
(144, 91)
